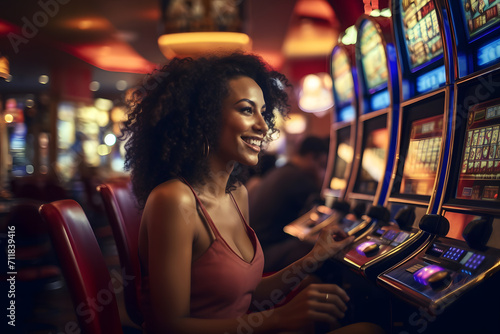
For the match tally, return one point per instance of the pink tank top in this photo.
(222, 283)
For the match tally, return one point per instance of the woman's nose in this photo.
(260, 123)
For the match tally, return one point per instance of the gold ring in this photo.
(326, 298)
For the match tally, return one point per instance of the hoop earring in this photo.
(206, 147)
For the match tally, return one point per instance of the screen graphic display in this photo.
(480, 15)
(342, 77)
(345, 155)
(479, 177)
(421, 32)
(373, 58)
(422, 159)
(372, 161)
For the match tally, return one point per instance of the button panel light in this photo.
(422, 276)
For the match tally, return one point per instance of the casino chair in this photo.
(125, 218)
(83, 266)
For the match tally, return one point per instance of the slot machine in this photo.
(377, 121)
(375, 128)
(426, 98)
(452, 279)
(342, 143)
(376, 138)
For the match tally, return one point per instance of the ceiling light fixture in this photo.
(192, 28)
(315, 93)
(4, 68)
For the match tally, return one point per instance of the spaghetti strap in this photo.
(203, 210)
(239, 211)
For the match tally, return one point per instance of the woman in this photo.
(192, 124)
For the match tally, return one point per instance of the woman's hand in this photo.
(331, 241)
(317, 302)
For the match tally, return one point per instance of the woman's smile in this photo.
(243, 126)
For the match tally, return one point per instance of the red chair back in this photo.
(125, 219)
(83, 266)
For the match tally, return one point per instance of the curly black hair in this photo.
(177, 109)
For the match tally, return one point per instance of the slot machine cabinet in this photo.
(376, 62)
(377, 127)
(425, 78)
(342, 144)
(343, 129)
(454, 276)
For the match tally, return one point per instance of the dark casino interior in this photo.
(405, 92)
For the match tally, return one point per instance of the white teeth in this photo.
(252, 141)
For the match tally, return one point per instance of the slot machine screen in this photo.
(373, 58)
(479, 177)
(376, 140)
(480, 15)
(422, 157)
(342, 77)
(344, 156)
(421, 31)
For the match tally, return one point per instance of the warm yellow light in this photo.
(4, 68)
(345, 152)
(196, 43)
(312, 83)
(315, 94)
(43, 79)
(8, 118)
(103, 150)
(337, 183)
(86, 23)
(118, 114)
(102, 118)
(103, 104)
(295, 124)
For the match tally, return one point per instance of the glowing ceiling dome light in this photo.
(315, 93)
(201, 27)
(196, 43)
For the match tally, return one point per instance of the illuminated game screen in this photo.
(422, 159)
(344, 156)
(479, 177)
(421, 31)
(480, 15)
(342, 77)
(372, 167)
(373, 57)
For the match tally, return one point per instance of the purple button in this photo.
(423, 274)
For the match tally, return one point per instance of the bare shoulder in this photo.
(171, 192)
(170, 200)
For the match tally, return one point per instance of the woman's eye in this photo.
(247, 110)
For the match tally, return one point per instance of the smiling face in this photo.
(243, 126)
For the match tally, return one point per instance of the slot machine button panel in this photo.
(368, 248)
